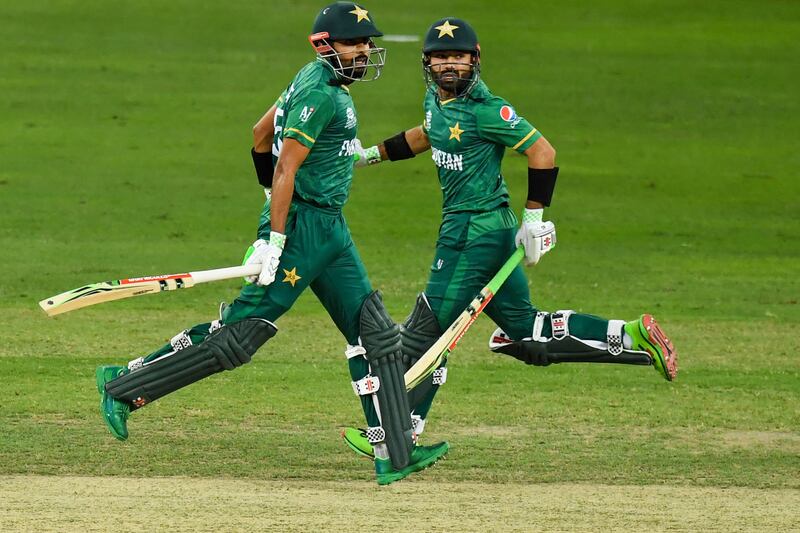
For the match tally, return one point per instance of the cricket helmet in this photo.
(345, 21)
(451, 34)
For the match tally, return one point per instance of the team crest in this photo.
(291, 276)
(508, 114)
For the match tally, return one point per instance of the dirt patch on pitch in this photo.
(779, 440)
(51, 503)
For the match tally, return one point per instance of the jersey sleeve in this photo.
(307, 116)
(499, 123)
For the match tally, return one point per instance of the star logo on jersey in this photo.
(446, 29)
(361, 13)
(455, 132)
(291, 276)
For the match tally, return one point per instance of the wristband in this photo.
(541, 183)
(264, 167)
(397, 147)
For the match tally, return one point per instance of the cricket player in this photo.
(303, 153)
(468, 128)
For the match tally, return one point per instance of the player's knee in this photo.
(420, 330)
(234, 344)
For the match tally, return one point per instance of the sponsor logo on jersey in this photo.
(507, 113)
(447, 160)
(306, 113)
(348, 148)
(428, 117)
(351, 119)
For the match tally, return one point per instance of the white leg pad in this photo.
(366, 386)
(559, 321)
(615, 336)
(181, 340)
(354, 351)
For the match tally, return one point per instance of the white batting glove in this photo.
(535, 236)
(365, 156)
(267, 254)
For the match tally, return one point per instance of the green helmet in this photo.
(451, 34)
(344, 21)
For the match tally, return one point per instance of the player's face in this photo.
(451, 69)
(354, 55)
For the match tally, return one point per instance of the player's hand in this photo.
(365, 156)
(535, 236)
(267, 254)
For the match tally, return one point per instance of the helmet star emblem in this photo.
(446, 29)
(291, 276)
(455, 132)
(361, 13)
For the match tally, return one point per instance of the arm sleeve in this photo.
(307, 116)
(499, 123)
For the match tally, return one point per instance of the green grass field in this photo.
(124, 139)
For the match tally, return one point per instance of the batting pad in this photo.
(380, 336)
(228, 347)
(418, 333)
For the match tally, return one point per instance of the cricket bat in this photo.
(107, 291)
(431, 359)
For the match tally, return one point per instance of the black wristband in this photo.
(397, 147)
(541, 183)
(264, 167)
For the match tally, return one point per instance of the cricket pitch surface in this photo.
(62, 503)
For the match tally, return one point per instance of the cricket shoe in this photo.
(115, 412)
(421, 458)
(648, 336)
(356, 439)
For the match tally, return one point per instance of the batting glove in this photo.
(365, 156)
(267, 254)
(535, 236)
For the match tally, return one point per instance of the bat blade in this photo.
(107, 291)
(437, 353)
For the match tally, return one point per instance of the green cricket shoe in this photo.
(356, 439)
(648, 336)
(115, 412)
(421, 458)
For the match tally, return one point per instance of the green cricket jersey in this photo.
(468, 138)
(321, 117)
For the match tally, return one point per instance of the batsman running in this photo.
(303, 153)
(467, 129)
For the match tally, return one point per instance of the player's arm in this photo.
(538, 236)
(293, 153)
(404, 145)
(263, 135)
(541, 160)
(268, 253)
(499, 123)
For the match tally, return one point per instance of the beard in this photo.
(356, 68)
(452, 81)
